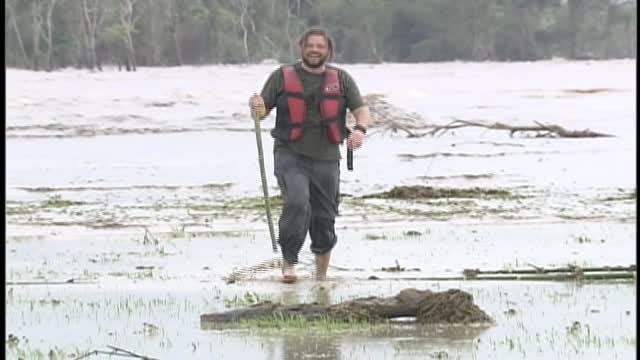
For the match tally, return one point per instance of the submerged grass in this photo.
(279, 322)
(18, 210)
(631, 195)
(445, 213)
(249, 203)
(254, 203)
(249, 298)
(404, 235)
(57, 201)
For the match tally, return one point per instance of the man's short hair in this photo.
(320, 32)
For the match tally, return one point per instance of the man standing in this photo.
(311, 99)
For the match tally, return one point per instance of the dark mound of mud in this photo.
(428, 192)
(451, 307)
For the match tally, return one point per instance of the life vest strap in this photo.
(329, 96)
(294, 94)
(303, 125)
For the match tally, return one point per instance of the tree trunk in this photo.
(128, 21)
(155, 19)
(575, 11)
(483, 28)
(273, 49)
(372, 44)
(451, 306)
(473, 33)
(175, 30)
(287, 33)
(48, 35)
(92, 19)
(131, 55)
(14, 25)
(522, 15)
(176, 41)
(36, 31)
(607, 29)
(245, 32)
(631, 50)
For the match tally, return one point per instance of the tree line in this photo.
(51, 34)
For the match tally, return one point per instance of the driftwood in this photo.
(517, 277)
(67, 282)
(570, 272)
(116, 351)
(387, 117)
(541, 130)
(471, 273)
(451, 306)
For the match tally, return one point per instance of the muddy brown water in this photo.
(94, 166)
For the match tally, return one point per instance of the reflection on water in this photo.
(321, 293)
(295, 347)
(386, 342)
(306, 291)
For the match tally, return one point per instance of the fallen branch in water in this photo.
(570, 272)
(387, 117)
(540, 270)
(67, 282)
(116, 351)
(517, 277)
(542, 130)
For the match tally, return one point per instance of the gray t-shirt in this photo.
(313, 143)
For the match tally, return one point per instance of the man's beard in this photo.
(321, 61)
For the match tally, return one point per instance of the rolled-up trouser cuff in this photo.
(323, 235)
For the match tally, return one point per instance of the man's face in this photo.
(315, 51)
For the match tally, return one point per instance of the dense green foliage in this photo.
(49, 34)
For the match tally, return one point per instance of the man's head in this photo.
(316, 47)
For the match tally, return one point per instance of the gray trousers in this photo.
(310, 192)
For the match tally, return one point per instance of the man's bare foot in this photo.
(288, 273)
(322, 264)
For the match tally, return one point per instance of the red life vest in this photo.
(330, 104)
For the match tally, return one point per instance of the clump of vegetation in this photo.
(178, 232)
(582, 239)
(375, 237)
(429, 192)
(57, 201)
(397, 268)
(217, 186)
(12, 340)
(254, 203)
(249, 298)
(632, 195)
(17, 209)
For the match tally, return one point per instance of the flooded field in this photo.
(130, 197)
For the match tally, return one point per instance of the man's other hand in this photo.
(356, 139)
